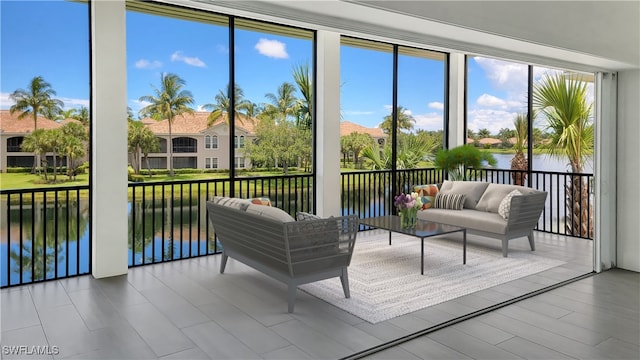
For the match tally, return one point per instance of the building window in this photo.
(185, 162)
(210, 163)
(185, 145)
(211, 142)
(239, 163)
(14, 144)
(238, 142)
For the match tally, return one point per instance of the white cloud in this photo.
(146, 64)
(406, 111)
(5, 102)
(272, 48)
(492, 120)
(429, 121)
(436, 105)
(505, 75)
(193, 61)
(136, 105)
(357, 112)
(74, 103)
(491, 101)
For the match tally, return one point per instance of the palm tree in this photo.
(54, 142)
(519, 164)
(405, 121)
(305, 105)
(169, 101)
(563, 101)
(35, 143)
(142, 141)
(38, 99)
(283, 103)
(74, 145)
(223, 106)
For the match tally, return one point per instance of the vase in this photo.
(408, 218)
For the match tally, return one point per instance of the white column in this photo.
(456, 135)
(109, 139)
(605, 172)
(628, 191)
(328, 124)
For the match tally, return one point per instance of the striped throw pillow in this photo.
(449, 201)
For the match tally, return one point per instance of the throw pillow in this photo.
(303, 216)
(427, 194)
(505, 205)
(449, 201)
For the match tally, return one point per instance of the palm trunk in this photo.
(170, 146)
(578, 202)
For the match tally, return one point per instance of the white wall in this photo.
(628, 196)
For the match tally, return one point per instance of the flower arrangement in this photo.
(408, 206)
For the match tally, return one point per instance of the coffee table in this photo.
(423, 229)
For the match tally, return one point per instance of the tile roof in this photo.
(347, 127)
(195, 123)
(9, 123)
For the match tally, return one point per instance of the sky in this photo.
(57, 47)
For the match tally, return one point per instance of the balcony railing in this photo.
(45, 232)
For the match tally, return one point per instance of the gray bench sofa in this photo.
(272, 242)
(480, 212)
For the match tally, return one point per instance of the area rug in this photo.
(385, 281)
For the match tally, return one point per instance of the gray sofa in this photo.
(480, 216)
(271, 241)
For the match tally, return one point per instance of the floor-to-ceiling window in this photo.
(44, 140)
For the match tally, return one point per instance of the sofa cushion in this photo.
(472, 190)
(236, 203)
(427, 194)
(505, 205)
(449, 201)
(465, 218)
(495, 193)
(270, 212)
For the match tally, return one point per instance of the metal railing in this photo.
(45, 232)
(168, 220)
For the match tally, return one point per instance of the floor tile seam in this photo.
(44, 332)
(471, 356)
(618, 320)
(538, 344)
(552, 329)
(474, 315)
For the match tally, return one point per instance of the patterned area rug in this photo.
(385, 281)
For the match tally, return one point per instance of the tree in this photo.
(223, 106)
(141, 141)
(405, 121)
(53, 142)
(169, 101)
(35, 143)
(38, 99)
(483, 133)
(283, 103)
(563, 102)
(519, 164)
(412, 149)
(279, 144)
(74, 145)
(458, 160)
(355, 143)
(305, 105)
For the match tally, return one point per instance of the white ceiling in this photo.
(608, 29)
(580, 35)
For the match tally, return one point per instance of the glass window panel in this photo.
(421, 98)
(497, 103)
(273, 96)
(552, 150)
(366, 98)
(44, 43)
(195, 49)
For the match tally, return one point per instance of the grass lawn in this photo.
(30, 181)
